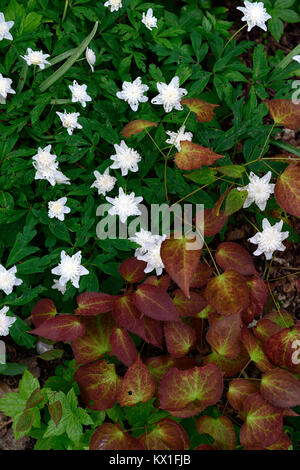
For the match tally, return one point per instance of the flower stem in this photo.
(232, 37)
(65, 11)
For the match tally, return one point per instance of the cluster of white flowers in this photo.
(47, 167)
(149, 250)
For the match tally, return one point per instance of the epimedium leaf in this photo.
(263, 422)
(137, 385)
(159, 365)
(213, 222)
(231, 255)
(193, 156)
(188, 307)
(202, 176)
(239, 390)
(111, 436)
(162, 281)
(166, 435)
(132, 270)
(155, 303)
(280, 388)
(153, 332)
(180, 262)
(204, 111)
(60, 328)
(266, 328)
(43, 310)
(199, 386)
(179, 337)
(136, 126)
(233, 171)
(228, 293)
(224, 334)
(284, 112)
(98, 384)
(221, 429)
(255, 350)
(258, 294)
(93, 303)
(127, 315)
(229, 367)
(287, 190)
(96, 340)
(234, 201)
(279, 348)
(122, 346)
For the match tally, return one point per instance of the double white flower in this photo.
(133, 93)
(149, 251)
(90, 57)
(126, 159)
(124, 205)
(5, 88)
(36, 58)
(79, 94)
(104, 183)
(169, 95)
(5, 321)
(69, 121)
(58, 209)
(114, 5)
(270, 239)
(259, 190)
(47, 167)
(5, 26)
(69, 269)
(255, 14)
(149, 20)
(176, 137)
(8, 279)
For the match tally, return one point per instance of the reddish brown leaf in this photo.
(283, 443)
(229, 367)
(60, 328)
(200, 386)
(95, 342)
(180, 338)
(136, 126)
(285, 113)
(281, 317)
(263, 423)
(93, 303)
(155, 303)
(180, 262)
(239, 390)
(162, 281)
(153, 332)
(123, 347)
(193, 156)
(159, 365)
(228, 293)
(280, 351)
(188, 307)
(132, 270)
(255, 350)
(230, 255)
(258, 296)
(204, 111)
(287, 189)
(137, 385)
(224, 335)
(213, 222)
(110, 436)
(204, 447)
(280, 388)
(166, 435)
(266, 328)
(98, 384)
(221, 429)
(201, 275)
(127, 315)
(42, 311)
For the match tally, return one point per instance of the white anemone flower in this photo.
(90, 57)
(5, 26)
(5, 88)
(69, 121)
(270, 239)
(114, 5)
(59, 287)
(104, 183)
(79, 94)
(5, 321)
(133, 93)
(44, 157)
(124, 205)
(70, 269)
(58, 209)
(149, 20)
(152, 255)
(259, 190)
(36, 58)
(176, 137)
(169, 95)
(255, 14)
(143, 238)
(8, 279)
(126, 159)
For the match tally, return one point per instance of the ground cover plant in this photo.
(142, 342)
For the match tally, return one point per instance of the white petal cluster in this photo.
(149, 250)
(255, 14)
(259, 190)
(58, 209)
(114, 5)
(176, 137)
(124, 205)
(297, 58)
(5, 88)
(70, 269)
(126, 159)
(8, 279)
(69, 121)
(59, 287)
(149, 20)
(133, 93)
(5, 322)
(104, 183)
(169, 95)
(79, 94)
(36, 58)
(90, 57)
(270, 239)
(47, 167)
(5, 27)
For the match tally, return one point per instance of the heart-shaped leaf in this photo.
(228, 293)
(230, 255)
(42, 311)
(122, 346)
(284, 112)
(94, 303)
(255, 350)
(193, 156)
(204, 111)
(136, 126)
(110, 436)
(137, 385)
(221, 429)
(224, 334)
(287, 190)
(280, 388)
(239, 390)
(60, 328)
(155, 303)
(166, 435)
(180, 338)
(132, 270)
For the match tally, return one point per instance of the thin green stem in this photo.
(65, 11)
(232, 37)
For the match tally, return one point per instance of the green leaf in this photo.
(20, 249)
(60, 230)
(234, 201)
(12, 368)
(12, 404)
(27, 385)
(18, 332)
(25, 421)
(70, 61)
(283, 3)
(234, 171)
(30, 22)
(202, 176)
(275, 26)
